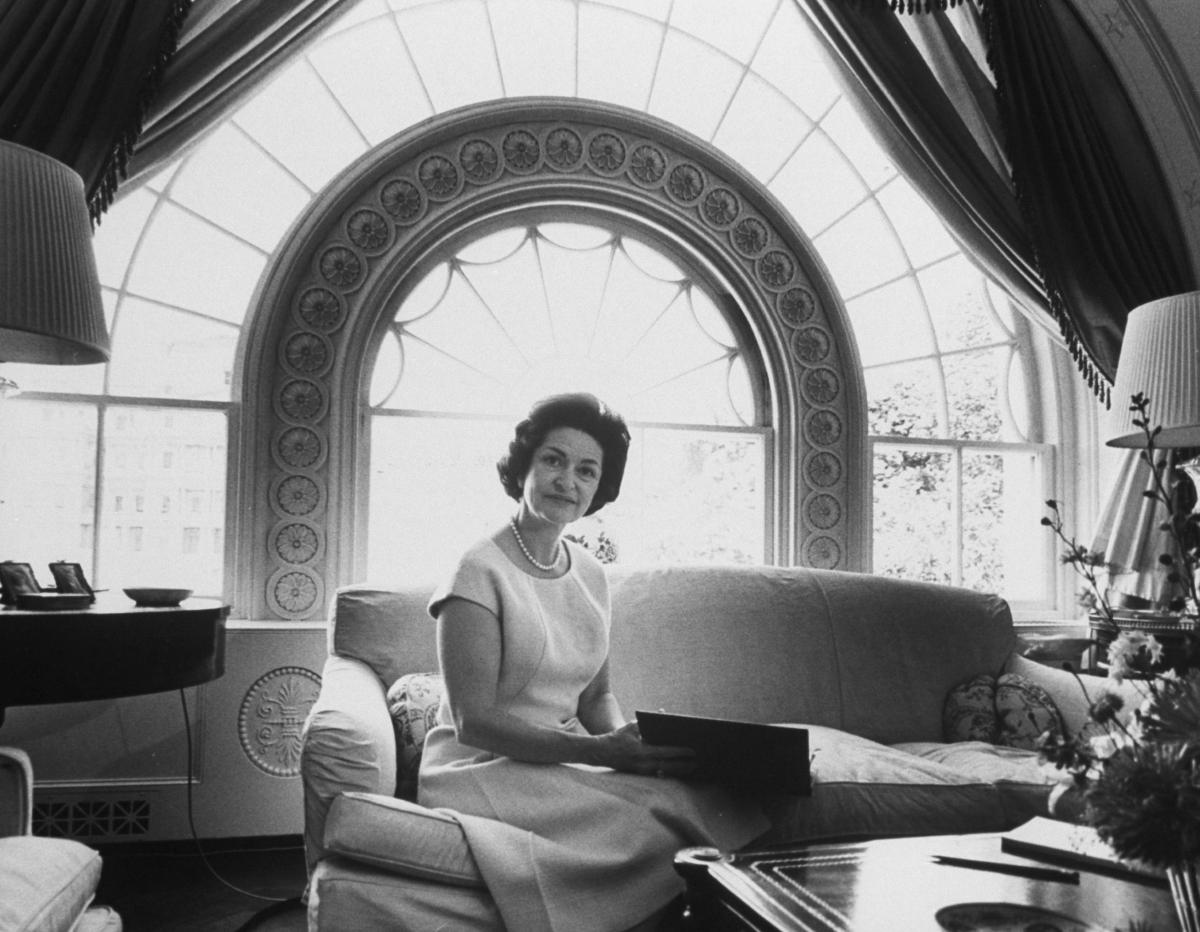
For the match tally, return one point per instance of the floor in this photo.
(236, 887)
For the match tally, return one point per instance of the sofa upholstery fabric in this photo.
(348, 895)
(402, 837)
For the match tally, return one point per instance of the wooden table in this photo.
(892, 885)
(111, 648)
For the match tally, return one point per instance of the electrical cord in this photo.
(279, 904)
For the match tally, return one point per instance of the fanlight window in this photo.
(544, 306)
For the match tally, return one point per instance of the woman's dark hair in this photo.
(583, 412)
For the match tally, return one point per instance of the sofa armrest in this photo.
(349, 745)
(401, 837)
(1074, 692)
(16, 793)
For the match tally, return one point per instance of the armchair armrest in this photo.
(401, 837)
(349, 745)
(16, 793)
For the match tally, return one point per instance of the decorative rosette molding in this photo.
(296, 496)
(331, 287)
(272, 716)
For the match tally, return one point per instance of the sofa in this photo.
(898, 683)
(46, 884)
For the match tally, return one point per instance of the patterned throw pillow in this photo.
(1026, 712)
(969, 712)
(413, 702)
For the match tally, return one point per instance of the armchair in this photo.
(46, 884)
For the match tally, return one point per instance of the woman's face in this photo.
(563, 476)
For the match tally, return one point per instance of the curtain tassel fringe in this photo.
(916, 7)
(117, 164)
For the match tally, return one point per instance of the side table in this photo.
(1172, 631)
(109, 649)
(1056, 649)
(891, 884)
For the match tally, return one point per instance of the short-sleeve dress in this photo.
(564, 846)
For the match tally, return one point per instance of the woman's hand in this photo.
(625, 750)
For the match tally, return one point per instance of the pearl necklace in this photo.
(544, 567)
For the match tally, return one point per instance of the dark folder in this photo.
(743, 755)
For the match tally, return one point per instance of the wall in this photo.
(117, 771)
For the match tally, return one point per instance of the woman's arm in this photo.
(469, 647)
(599, 712)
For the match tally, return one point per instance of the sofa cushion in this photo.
(983, 761)
(1026, 712)
(413, 702)
(1023, 782)
(969, 713)
(45, 883)
(401, 837)
(1013, 710)
(864, 788)
(387, 628)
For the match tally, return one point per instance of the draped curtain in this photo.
(1041, 168)
(936, 118)
(1105, 232)
(116, 88)
(1088, 182)
(76, 77)
(227, 50)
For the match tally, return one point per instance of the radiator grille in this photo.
(91, 818)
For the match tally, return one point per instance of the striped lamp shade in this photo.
(50, 305)
(1160, 357)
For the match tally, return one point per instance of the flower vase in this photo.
(1185, 891)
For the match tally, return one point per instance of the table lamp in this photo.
(51, 310)
(1160, 359)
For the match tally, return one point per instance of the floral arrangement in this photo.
(603, 548)
(1139, 774)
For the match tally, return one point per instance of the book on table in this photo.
(1067, 842)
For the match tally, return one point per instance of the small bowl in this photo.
(157, 598)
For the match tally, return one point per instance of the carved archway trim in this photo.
(323, 299)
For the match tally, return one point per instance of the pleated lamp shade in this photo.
(50, 305)
(1160, 357)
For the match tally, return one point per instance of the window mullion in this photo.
(957, 516)
(98, 494)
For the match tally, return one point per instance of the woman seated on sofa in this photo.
(579, 826)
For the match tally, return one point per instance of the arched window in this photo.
(566, 299)
(951, 447)
(450, 248)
